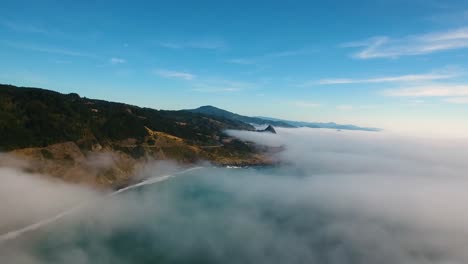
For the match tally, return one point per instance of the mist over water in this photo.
(339, 197)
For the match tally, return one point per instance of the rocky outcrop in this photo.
(269, 129)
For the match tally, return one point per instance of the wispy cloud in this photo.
(387, 79)
(41, 29)
(27, 28)
(430, 90)
(286, 53)
(257, 59)
(217, 90)
(387, 47)
(242, 61)
(46, 49)
(459, 17)
(305, 104)
(369, 106)
(222, 85)
(117, 60)
(62, 61)
(211, 44)
(457, 100)
(175, 74)
(344, 107)
(29, 77)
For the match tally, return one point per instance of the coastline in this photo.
(35, 226)
(116, 168)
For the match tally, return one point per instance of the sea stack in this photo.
(269, 129)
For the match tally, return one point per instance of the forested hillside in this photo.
(32, 117)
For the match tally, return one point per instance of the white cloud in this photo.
(29, 198)
(458, 17)
(217, 90)
(208, 44)
(401, 78)
(280, 54)
(39, 28)
(171, 45)
(211, 44)
(368, 106)
(457, 100)
(344, 107)
(416, 102)
(62, 61)
(242, 61)
(27, 28)
(46, 49)
(430, 90)
(286, 53)
(305, 104)
(217, 85)
(386, 47)
(117, 61)
(175, 74)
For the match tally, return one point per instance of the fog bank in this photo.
(340, 197)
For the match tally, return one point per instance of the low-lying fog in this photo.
(340, 197)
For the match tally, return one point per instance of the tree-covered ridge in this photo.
(32, 117)
(217, 112)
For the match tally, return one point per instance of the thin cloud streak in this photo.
(242, 61)
(24, 28)
(46, 49)
(217, 85)
(457, 100)
(430, 90)
(387, 47)
(43, 30)
(257, 59)
(344, 107)
(209, 44)
(401, 78)
(117, 61)
(217, 90)
(304, 104)
(175, 74)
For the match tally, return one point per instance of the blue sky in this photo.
(391, 64)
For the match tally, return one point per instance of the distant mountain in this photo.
(330, 125)
(260, 120)
(214, 111)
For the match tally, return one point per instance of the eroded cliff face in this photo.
(116, 164)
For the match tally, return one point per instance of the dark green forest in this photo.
(33, 117)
